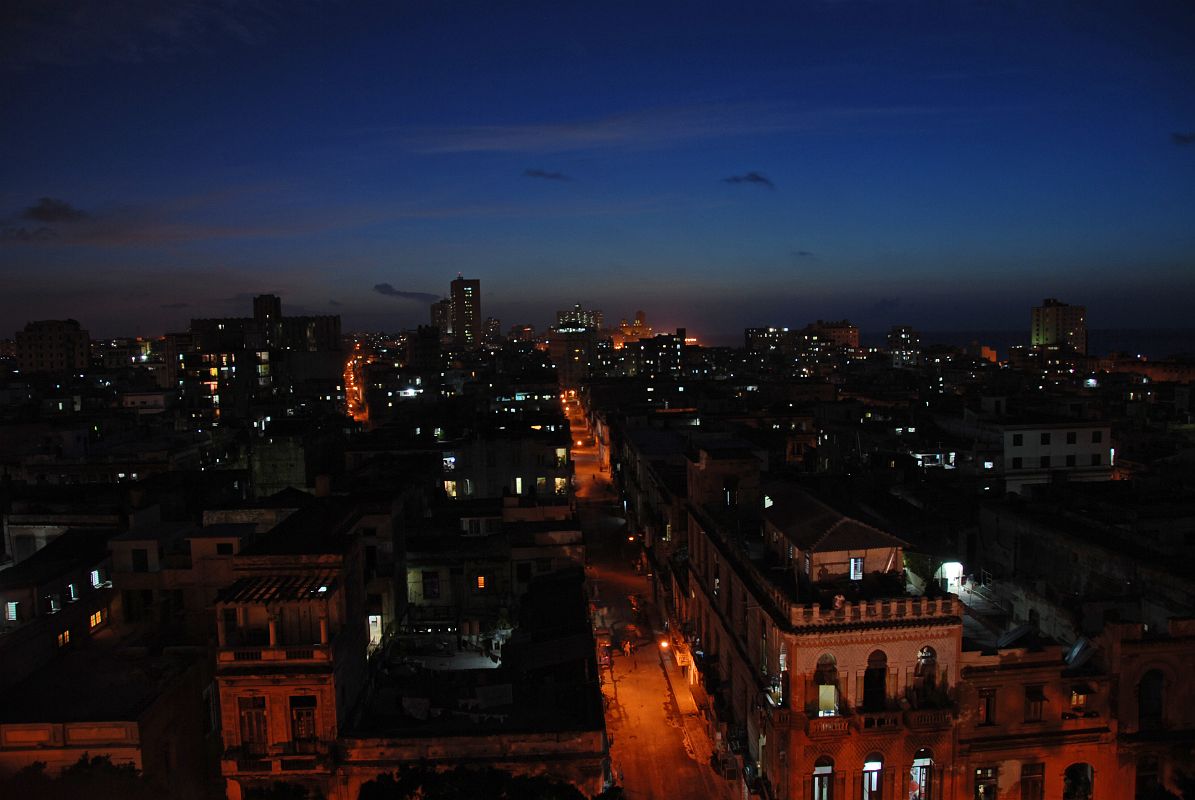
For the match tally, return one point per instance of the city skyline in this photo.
(889, 163)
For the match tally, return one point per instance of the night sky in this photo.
(943, 164)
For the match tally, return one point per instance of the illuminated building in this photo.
(466, 311)
(1059, 325)
(904, 346)
(577, 317)
(841, 334)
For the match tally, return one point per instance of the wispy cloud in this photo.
(750, 177)
(22, 235)
(804, 254)
(548, 176)
(64, 32)
(1182, 139)
(50, 209)
(389, 291)
(639, 129)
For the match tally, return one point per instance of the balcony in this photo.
(826, 727)
(929, 719)
(278, 654)
(880, 721)
(306, 755)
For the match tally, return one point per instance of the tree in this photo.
(424, 782)
(94, 778)
(282, 790)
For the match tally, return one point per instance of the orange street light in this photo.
(663, 644)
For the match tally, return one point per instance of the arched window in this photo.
(1149, 700)
(1078, 782)
(823, 779)
(875, 681)
(873, 772)
(921, 776)
(925, 676)
(826, 681)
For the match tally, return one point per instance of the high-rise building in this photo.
(466, 311)
(52, 345)
(493, 330)
(442, 317)
(1059, 325)
(578, 317)
(904, 346)
(267, 307)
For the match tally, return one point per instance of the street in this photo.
(657, 751)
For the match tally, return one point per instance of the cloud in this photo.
(804, 254)
(389, 291)
(50, 209)
(175, 305)
(548, 176)
(884, 306)
(1182, 139)
(644, 128)
(64, 32)
(750, 177)
(28, 235)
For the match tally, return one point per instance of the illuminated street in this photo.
(656, 751)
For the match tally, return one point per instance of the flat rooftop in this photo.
(94, 684)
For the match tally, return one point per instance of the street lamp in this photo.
(663, 644)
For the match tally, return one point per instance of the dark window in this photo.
(1071, 437)
(523, 571)
(1070, 460)
(431, 586)
(302, 718)
(140, 559)
(987, 707)
(254, 738)
(1035, 701)
(1097, 437)
(543, 565)
(1045, 462)
(874, 681)
(1018, 439)
(1147, 778)
(1016, 462)
(1096, 459)
(1149, 700)
(1033, 782)
(1078, 782)
(224, 548)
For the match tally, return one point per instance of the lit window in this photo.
(480, 582)
(97, 618)
(71, 592)
(856, 569)
(64, 638)
(10, 611)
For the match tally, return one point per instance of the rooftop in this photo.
(94, 684)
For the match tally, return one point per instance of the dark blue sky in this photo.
(945, 164)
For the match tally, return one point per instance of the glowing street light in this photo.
(663, 644)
